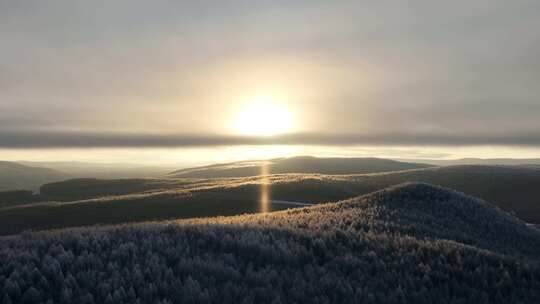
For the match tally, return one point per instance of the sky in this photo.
(201, 81)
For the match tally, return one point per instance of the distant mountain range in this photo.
(25, 175)
(412, 243)
(31, 175)
(17, 176)
(103, 170)
(478, 161)
(300, 164)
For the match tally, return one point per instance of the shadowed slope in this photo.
(86, 188)
(515, 189)
(425, 211)
(413, 243)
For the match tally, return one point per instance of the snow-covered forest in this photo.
(392, 246)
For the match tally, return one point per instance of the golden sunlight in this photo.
(265, 188)
(263, 116)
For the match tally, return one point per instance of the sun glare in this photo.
(263, 117)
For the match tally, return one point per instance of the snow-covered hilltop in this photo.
(413, 243)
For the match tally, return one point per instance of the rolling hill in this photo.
(87, 202)
(300, 164)
(414, 243)
(86, 188)
(102, 170)
(512, 188)
(16, 176)
(10, 198)
(478, 161)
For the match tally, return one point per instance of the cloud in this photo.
(35, 140)
(385, 69)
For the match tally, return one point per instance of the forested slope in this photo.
(414, 243)
(88, 201)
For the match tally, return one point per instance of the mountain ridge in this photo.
(15, 176)
(476, 161)
(298, 164)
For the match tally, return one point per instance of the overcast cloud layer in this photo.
(94, 73)
(18, 140)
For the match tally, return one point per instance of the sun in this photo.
(263, 116)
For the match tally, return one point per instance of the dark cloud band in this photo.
(34, 140)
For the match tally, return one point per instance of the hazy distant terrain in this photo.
(97, 170)
(89, 201)
(413, 243)
(478, 161)
(300, 164)
(17, 176)
(26, 175)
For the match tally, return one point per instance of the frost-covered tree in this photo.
(411, 244)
